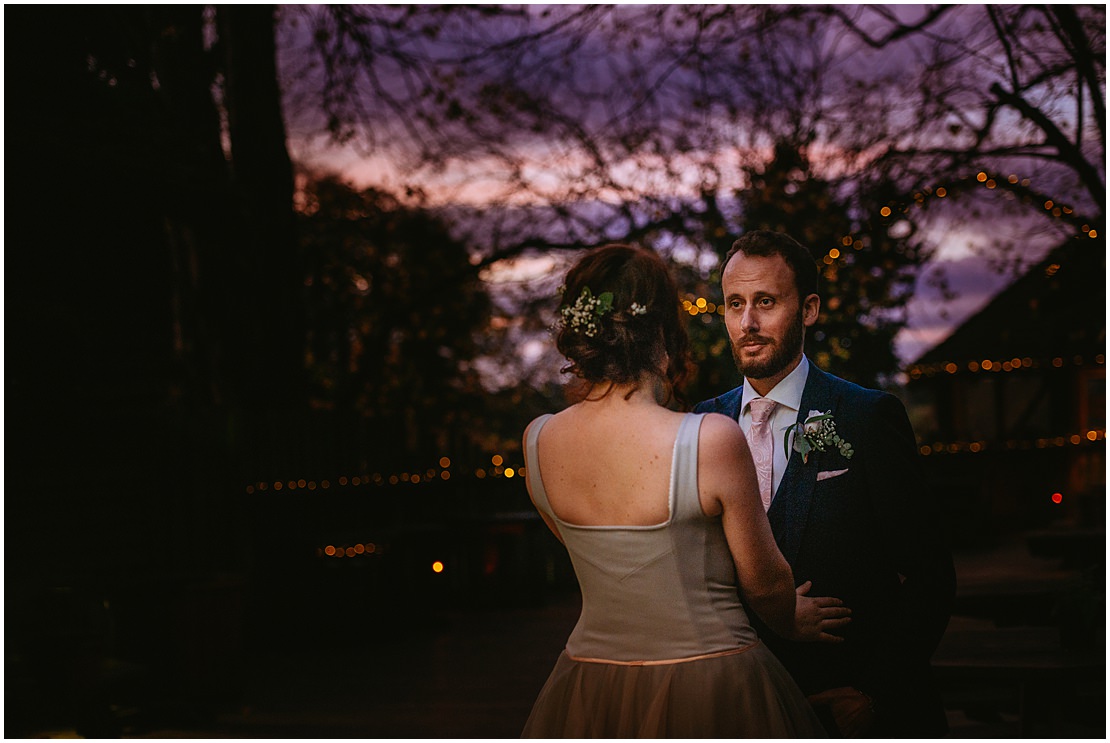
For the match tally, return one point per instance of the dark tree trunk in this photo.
(266, 349)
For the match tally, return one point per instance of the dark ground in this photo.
(475, 673)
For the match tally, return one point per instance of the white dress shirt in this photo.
(788, 395)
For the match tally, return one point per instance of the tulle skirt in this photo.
(742, 695)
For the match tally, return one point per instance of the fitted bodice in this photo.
(661, 592)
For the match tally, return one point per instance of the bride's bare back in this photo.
(608, 462)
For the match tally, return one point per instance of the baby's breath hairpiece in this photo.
(582, 316)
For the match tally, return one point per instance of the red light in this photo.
(1057, 498)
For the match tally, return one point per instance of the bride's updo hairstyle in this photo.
(619, 318)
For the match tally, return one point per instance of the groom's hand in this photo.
(816, 617)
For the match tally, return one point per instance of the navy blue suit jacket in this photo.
(871, 536)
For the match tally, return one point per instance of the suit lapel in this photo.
(790, 508)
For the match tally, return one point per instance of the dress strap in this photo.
(685, 503)
(532, 462)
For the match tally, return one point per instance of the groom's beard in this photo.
(782, 353)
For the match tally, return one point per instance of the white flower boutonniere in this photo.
(818, 432)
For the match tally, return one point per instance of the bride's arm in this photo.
(727, 485)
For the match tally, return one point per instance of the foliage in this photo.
(666, 125)
(1005, 107)
(617, 119)
(394, 306)
(867, 264)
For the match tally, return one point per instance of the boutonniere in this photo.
(817, 432)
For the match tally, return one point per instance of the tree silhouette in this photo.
(616, 119)
(394, 307)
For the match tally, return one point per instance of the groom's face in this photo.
(765, 318)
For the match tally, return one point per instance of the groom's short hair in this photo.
(766, 243)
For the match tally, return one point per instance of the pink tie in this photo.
(761, 442)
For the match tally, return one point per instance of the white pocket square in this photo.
(827, 474)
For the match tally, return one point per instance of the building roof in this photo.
(1057, 309)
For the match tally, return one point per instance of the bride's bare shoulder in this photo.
(720, 434)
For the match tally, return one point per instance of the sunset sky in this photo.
(966, 248)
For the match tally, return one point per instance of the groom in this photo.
(846, 500)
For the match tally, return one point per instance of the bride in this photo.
(661, 514)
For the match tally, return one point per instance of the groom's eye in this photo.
(766, 302)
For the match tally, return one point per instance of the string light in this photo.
(977, 447)
(500, 469)
(359, 549)
(1054, 208)
(701, 306)
(917, 371)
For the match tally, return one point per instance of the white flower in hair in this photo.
(582, 316)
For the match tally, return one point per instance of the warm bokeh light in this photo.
(1092, 435)
(444, 462)
(359, 549)
(1057, 498)
(497, 460)
(329, 550)
(350, 552)
(885, 211)
(509, 472)
(437, 567)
